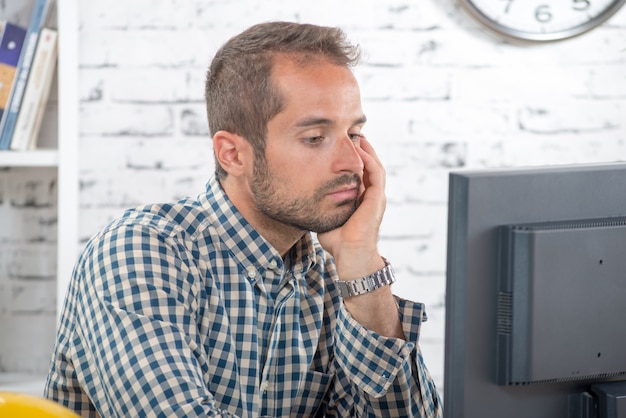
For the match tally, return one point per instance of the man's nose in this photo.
(347, 158)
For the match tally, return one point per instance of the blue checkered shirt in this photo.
(183, 309)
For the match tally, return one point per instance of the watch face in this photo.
(542, 20)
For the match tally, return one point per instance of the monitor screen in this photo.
(536, 293)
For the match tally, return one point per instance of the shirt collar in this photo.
(245, 243)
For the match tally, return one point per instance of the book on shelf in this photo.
(9, 116)
(37, 91)
(11, 42)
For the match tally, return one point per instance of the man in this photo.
(228, 304)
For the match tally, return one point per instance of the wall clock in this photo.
(541, 20)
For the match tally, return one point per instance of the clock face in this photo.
(542, 20)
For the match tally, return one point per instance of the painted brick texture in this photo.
(440, 94)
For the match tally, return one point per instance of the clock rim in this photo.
(520, 35)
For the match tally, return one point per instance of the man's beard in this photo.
(303, 213)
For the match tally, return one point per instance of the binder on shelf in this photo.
(11, 42)
(36, 94)
(9, 116)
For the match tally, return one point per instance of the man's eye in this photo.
(355, 137)
(314, 140)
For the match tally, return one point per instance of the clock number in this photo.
(543, 14)
(581, 5)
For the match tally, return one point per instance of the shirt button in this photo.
(273, 264)
(251, 272)
(264, 386)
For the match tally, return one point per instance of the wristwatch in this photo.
(376, 280)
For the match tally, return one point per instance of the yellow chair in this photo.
(18, 405)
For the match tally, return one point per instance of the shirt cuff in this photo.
(371, 360)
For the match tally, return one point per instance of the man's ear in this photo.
(232, 152)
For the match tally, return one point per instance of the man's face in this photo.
(311, 177)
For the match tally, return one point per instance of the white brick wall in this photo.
(27, 268)
(440, 93)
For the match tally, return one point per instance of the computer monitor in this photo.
(536, 293)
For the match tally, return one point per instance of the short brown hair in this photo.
(240, 95)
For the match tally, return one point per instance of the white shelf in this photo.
(67, 70)
(35, 158)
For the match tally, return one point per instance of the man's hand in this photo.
(354, 245)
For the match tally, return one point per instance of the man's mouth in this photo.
(345, 193)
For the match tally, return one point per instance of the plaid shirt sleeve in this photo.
(132, 340)
(388, 375)
(380, 376)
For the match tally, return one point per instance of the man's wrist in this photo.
(354, 264)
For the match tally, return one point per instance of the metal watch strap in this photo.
(376, 280)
